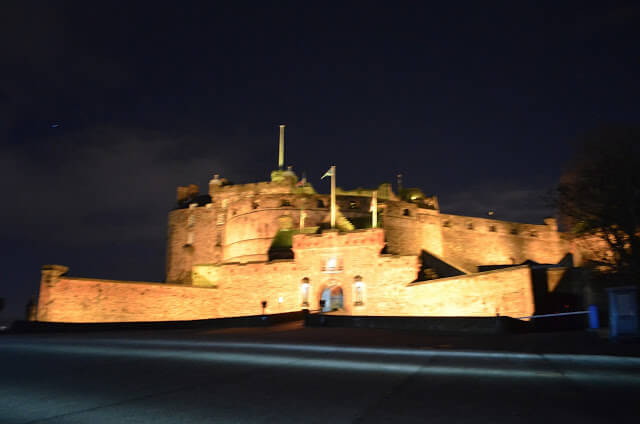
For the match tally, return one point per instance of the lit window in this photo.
(305, 292)
(189, 238)
(191, 221)
(353, 204)
(332, 264)
(358, 298)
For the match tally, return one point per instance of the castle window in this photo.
(189, 238)
(285, 202)
(470, 226)
(492, 228)
(533, 234)
(254, 205)
(191, 221)
(446, 224)
(332, 265)
(513, 231)
(320, 203)
(358, 288)
(304, 289)
(405, 212)
(353, 204)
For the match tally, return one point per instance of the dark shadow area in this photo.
(214, 323)
(433, 267)
(436, 325)
(281, 246)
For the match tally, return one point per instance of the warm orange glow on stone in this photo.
(217, 260)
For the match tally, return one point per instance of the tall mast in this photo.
(281, 150)
(374, 209)
(333, 196)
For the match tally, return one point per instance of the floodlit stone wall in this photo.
(66, 299)
(506, 292)
(192, 238)
(241, 287)
(371, 284)
(242, 220)
(478, 241)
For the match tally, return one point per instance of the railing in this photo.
(594, 322)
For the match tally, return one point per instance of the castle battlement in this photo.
(334, 239)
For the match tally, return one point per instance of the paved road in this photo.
(135, 378)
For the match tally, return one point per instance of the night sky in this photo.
(106, 107)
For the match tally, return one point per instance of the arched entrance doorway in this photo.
(333, 299)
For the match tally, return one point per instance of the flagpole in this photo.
(281, 149)
(374, 209)
(333, 196)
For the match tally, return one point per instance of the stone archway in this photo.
(333, 299)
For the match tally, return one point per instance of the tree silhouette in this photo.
(598, 197)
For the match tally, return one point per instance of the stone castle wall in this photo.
(331, 260)
(478, 241)
(468, 242)
(184, 250)
(241, 287)
(242, 220)
(65, 299)
(506, 292)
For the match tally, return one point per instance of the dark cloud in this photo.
(105, 185)
(509, 201)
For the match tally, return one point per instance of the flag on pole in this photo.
(374, 209)
(327, 174)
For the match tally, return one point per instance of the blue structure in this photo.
(594, 322)
(623, 311)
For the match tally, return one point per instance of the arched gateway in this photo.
(333, 299)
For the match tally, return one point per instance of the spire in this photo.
(281, 150)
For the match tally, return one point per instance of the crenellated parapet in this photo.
(373, 238)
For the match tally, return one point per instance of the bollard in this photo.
(594, 323)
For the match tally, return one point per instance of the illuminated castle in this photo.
(282, 243)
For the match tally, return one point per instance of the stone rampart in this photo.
(67, 299)
(479, 241)
(507, 292)
(192, 238)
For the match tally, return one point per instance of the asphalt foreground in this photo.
(288, 373)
